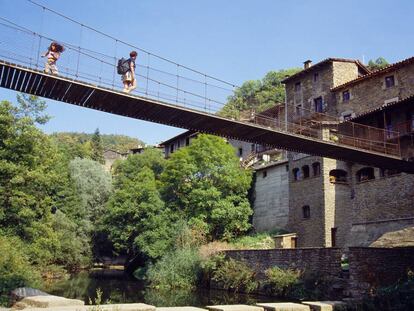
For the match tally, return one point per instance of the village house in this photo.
(334, 203)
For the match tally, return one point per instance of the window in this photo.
(382, 172)
(287, 168)
(305, 171)
(252, 148)
(294, 242)
(187, 141)
(389, 81)
(171, 148)
(306, 211)
(364, 174)
(338, 176)
(333, 237)
(297, 87)
(316, 167)
(316, 77)
(296, 174)
(264, 174)
(178, 144)
(240, 152)
(346, 96)
(318, 104)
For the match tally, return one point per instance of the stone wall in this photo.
(383, 233)
(371, 268)
(371, 93)
(322, 261)
(309, 89)
(382, 198)
(271, 192)
(343, 72)
(307, 192)
(338, 205)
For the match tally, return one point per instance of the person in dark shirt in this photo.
(128, 79)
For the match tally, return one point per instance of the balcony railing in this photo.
(400, 129)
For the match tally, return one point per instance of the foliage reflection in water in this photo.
(119, 288)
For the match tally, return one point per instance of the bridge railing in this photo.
(157, 78)
(161, 79)
(335, 131)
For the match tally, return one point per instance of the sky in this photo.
(234, 40)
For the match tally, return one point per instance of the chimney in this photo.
(307, 64)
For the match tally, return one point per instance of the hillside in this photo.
(120, 143)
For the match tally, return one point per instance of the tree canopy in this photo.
(379, 63)
(204, 182)
(258, 95)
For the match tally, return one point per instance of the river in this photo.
(119, 288)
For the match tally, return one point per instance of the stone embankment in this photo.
(55, 303)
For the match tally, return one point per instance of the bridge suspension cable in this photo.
(129, 44)
(105, 59)
(23, 46)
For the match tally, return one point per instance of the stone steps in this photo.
(180, 309)
(284, 306)
(55, 303)
(234, 308)
(114, 307)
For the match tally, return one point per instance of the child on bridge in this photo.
(52, 55)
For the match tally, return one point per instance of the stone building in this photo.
(334, 203)
(271, 196)
(110, 156)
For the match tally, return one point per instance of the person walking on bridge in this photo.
(52, 55)
(128, 78)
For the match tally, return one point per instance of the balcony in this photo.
(400, 129)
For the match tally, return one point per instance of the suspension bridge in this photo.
(181, 97)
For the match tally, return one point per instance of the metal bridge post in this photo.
(148, 66)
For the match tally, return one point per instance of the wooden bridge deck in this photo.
(27, 80)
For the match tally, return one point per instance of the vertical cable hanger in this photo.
(40, 37)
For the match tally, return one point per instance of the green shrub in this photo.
(15, 267)
(208, 267)
(179, 269)
(236, 276)
(281, 282)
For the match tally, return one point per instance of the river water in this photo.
(119, 288)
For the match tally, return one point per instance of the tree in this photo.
(257, 95)
(136, 219)
(204, 183)
(97, 148)
(33, 185)
(378, 64)
(151, 158)
(78, 144)
(30, 106)
(93, 185)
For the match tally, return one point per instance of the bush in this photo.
(397, 296)
(281, 282)
(236, 276)
(179, 269)
(15, 267)
(256, 241)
